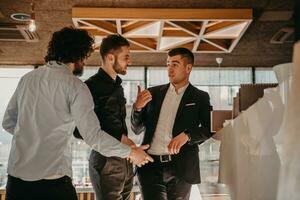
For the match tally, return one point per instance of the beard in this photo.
(118, 69)
(78, 68)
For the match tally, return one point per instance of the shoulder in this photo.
(77, 83)
(93, 79)
(199, 93)
(158, 88)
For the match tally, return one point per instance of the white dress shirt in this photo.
(41, 116)
(163, 132)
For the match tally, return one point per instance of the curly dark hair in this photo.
(69, 45)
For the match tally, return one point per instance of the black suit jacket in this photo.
(193, 117)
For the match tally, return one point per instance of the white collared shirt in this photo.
(41, 116)
(163, 132)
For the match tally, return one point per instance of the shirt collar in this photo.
(102, 74)
(60, 65)
(180, 90)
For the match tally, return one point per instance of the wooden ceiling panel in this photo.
(96, 32)
(134, 26)
(187, 26)
(102, 24)
(148, 42)
(206, 47)
(158, 29)
(224, 43)
(135, 47)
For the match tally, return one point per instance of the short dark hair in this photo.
(184, 52)
(111, 43)
(69, 45)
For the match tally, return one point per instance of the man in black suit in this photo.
(175, 118)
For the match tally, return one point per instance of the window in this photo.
(265, 75)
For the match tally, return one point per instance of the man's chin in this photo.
(123, 72)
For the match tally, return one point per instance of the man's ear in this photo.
(189, 68)
(110, 58)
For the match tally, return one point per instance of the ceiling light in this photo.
(219, 61)
(23, 17)
(32, 25)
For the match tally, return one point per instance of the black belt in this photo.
(162, 158)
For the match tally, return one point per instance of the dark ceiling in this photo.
(253, 50)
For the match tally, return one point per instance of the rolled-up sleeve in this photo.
(82, 110)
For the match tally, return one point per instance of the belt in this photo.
(162, 158)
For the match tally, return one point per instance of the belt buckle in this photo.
(165, 158)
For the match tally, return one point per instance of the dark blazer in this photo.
(193, 117)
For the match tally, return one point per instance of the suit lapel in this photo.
(184, 100)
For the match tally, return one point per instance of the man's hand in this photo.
(126, 140)
(177, 142)
(143, 97)
(138, 156)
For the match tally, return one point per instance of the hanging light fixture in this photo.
(219, 61)
(32, 24)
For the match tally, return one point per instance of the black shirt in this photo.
(110, 103)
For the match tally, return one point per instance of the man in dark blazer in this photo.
(175, 118)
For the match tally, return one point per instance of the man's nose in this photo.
(129, 62)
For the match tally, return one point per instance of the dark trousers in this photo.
(159, 181)
(57, 189)
(111, 177)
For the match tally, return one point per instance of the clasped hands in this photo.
(138, 156)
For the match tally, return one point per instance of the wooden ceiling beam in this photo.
(103, 24)
(161, 13)
(127, 23)
(149, 42)
(96, 32)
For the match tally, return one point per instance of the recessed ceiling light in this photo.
(20, 17)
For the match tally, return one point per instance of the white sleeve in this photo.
(11, 113)
(82, 110)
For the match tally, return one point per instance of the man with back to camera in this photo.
(41, 116)
(175, 118)
(112, 177)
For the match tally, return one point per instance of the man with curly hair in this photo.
(42, 115)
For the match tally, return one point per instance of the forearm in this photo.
(136, 122)
(126, 140)
(198, 134)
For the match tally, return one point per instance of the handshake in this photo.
(138, 156)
